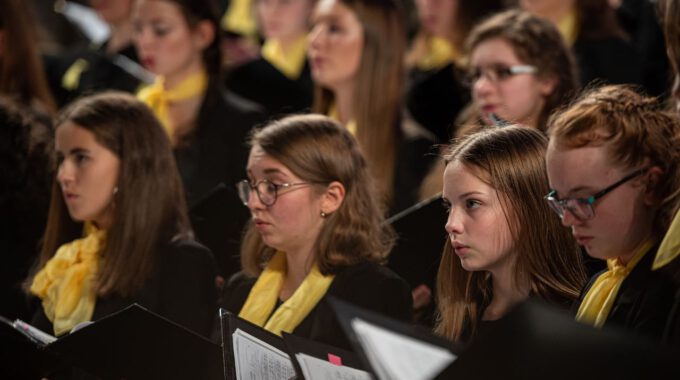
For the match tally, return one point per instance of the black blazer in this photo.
(612, 60)
(264, 84)
(367, 285)
(644, 300)
(181, 288)
(217, 153)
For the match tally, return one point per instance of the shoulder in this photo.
(185, 254)
(236, 291)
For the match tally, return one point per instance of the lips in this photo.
(69, 196)
(583, 240)
(149, 62)
(459, 248)
(260, 224)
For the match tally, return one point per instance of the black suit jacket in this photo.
(367, 285)
(644, 300)
(181, 288)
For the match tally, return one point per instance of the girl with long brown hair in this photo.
(503, 245)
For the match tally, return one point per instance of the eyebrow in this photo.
(470, 193)
(579, 189)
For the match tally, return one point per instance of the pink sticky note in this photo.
(334, 359)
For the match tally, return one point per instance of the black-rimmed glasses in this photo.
(582, 208)
(266, 191)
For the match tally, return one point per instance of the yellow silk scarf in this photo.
(599, 300)
(289, 62)
(66, 284)
(568, 27)
(262, 298)
(240, 18)
(670, 246)
(158, 98)
(440, 52)
(351, 125)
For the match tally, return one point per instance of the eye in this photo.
(446, 205)
(160, 30)
(472, 204)
(502, 72)
(334, 28)
(269, 187)
(80, 157)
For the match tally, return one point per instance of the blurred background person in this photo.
(178, 41)
(279, 79)
(356, 50)
(435, 61)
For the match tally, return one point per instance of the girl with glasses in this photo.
(316, 230)
(504, 243)
(613, 168)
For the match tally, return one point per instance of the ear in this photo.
(547, 85)
(204, 34)
(332, 197)
(653, 176)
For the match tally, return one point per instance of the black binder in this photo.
(337, 356)
(347, 313)
(135, 343)
(22, 357)
(537, 341)
(229, 323)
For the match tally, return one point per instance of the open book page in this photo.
(315, 368)
(33, 333)
(396, 356)
(258, 360)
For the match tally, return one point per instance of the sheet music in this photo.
(315, 368)
(258, 360)
(394, 356)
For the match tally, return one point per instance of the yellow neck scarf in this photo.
(439, 53)
(568, 27)
(670, 246)
(289, 62)
(599, 300)
(240, 18)
(158, 98)
(351, 125)
(66, 284)
(265, 292)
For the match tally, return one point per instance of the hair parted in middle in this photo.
(379, 87)
(320, 151)
(510, 160)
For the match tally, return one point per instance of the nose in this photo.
(315, 37)
(65, 174)
(482, 86)
(454, 225)
(142, 38)
(568, 218)
(254, 202)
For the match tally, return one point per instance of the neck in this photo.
(298, 266)
(289, 42)
(344, 103)
(555, 11)
(174, 79)
(121, 36)
(626, 258)
(506, 293)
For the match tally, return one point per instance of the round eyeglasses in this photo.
(582, 208)
(266, 191)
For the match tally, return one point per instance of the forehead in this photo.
(493, 50)
(570, 168)
(260, 164)
(152, 10)
(332, 8)
(70, 135)
(460, 178)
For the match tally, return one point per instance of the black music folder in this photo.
(314, 360)
(251, 352)
(135, 343)
(392, 349)
(538, 341)
(23, 352)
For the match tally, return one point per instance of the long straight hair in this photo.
(149, 206)
(379, 87)
(511, 160)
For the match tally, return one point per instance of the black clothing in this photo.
(644, 300)
(100, 72)
(181, 288)
(217, 153)
(611, 60)
(435, 97)
(261, 82)
(366, 285)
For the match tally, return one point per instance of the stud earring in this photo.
(323, 214)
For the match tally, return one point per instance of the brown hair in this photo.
(597, 20)
(635, 130)
(319, 150)
(378, 90)
(670, 20)
(535, 42)
(150, 208)
(21, 69)
(511, 160)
